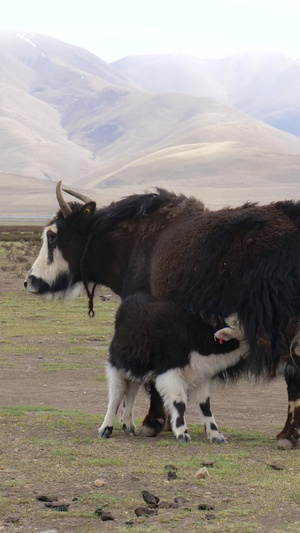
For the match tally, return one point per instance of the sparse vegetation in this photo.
(53, 398)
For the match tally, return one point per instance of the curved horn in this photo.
(78, 195)
(65, 208)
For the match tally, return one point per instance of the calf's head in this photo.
(56, 273)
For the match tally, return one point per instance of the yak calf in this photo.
(159, 341)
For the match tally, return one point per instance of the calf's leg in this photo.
(201, 397)
(117, 386)
(173, 390)
(288, 437)
(127, 415)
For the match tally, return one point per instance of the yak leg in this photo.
(173, 390)
(117, 387)
(288, 437)
(201, 397)
(156, 417)
(127, 415)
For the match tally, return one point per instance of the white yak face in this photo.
(50, 273)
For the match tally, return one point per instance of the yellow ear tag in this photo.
(87, 211)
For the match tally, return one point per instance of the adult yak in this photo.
(241, 260)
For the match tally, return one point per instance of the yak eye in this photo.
(51, 237)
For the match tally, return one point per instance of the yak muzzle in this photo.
(36, 285)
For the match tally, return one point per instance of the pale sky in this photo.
(112, 29)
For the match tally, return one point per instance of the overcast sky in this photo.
(113, 29)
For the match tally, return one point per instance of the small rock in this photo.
(205, 507)
(99, 483)
(172, 475)
(180, 500)
(165, 505)
(44, 498)
(171, 467)
(209, 464)
(58, 506)
(275, 466)
(210, 516)
(106, 517)
(99, 511)
(150, 498)
(49, 531)
(144, 511)
(129, 523)
(11, 520)
(202, 473)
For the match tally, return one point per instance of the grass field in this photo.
(52, 400)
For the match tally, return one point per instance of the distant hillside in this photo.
(263, 85)
(142, 122)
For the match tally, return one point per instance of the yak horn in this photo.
(65, 208)
(78, 195)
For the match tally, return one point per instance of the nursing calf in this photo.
(159, 341)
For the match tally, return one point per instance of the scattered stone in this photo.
(106, 517)
(209, 464)
(276, 467)
(99, 483)
(171, 467)
(11, 520)
(205, 507)
(150, 498)
(49, 531)
(144, 511)
(99, 511)
(172, 475)
(210, 516)
(180, 500)
(129, 523)
(202, 473)
(165, 505)
(58, 506)
(44, 498)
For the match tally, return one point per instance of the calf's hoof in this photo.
(129, 430)
(218, 439)
(105, 433)
(185, 437)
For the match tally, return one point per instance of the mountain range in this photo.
(224, 130)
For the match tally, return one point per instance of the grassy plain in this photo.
(52, 400)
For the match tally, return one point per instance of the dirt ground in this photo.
(260, 406)
(243, 407)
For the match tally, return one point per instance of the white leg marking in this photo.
(127, 414)
(117, 386)
(200, 394)
(173, 389)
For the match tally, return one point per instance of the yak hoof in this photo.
(185, 437)
(220, 439)
(148, 431)
(106, 432)
(129, 431)
(284, 444)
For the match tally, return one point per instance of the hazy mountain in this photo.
(141, 122)
(264, 85)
